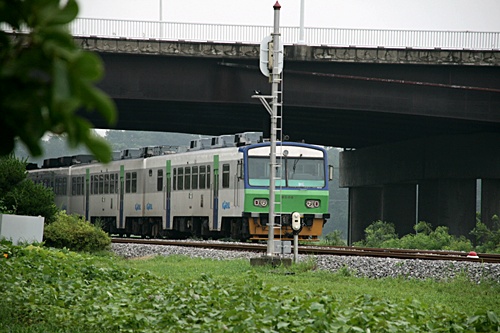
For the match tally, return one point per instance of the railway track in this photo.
(326, 250)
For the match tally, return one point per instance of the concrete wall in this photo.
(21, 229)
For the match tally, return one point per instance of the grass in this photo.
(48, 290)
(458, 294)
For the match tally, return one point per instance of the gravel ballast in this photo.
(370, 267)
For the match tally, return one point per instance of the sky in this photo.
(455, 15)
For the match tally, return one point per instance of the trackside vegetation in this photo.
(76, 234)
(382, 234)
(49, 290)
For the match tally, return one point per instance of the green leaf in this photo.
(67, 14)
(492, 317)
(99, 148)
(60, 89)
(95, 98)
(88, 66)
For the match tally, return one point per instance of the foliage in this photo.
(32, 199)
(377, 233)
(74, 233)
(428, 239)
(12, 172)
(4, 209)
(334, 238)
(487, 240)
(382, 234)
(19, 195)
(69, 291)
(45, 78)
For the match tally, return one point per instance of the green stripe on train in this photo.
(291, 201)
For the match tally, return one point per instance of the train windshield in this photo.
(295, 172)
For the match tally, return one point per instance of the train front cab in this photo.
(301, 186)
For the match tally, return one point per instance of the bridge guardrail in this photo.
(225, 33)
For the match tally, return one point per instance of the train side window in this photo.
(194, 178)
(180, 178)
(65, 186)
(127, 182)
(203, 175)
(116, 183)
(225, 176)
(208, 176)
(95, 185)
(73, 185)
(79, 186)
(112, 183)
(134, 182)
(106, 184)
(159, 182)
(56, 188)
(175, 180)
(187, 178)
(101, 184)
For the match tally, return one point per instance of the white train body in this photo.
(199, 192)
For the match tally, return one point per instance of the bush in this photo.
(377, 233)
(334, 239)
(13, 171)
(439, 239)
(382, 234)
(31, 199)
(487, 240)
(74, 233)
(19, 195)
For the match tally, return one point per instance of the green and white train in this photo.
(216, 188)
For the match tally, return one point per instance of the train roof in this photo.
(222, 141)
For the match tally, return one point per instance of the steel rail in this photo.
(327, 250)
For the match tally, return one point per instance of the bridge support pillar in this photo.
(448, 202)
(399, 206)
(390, 203)
(364, 209)
(490, 200)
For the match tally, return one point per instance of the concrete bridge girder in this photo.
(361, 97)
(383, 181)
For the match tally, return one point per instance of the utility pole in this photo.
(301, 31)
(161, 19)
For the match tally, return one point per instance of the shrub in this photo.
(74, 233)
(334, 239)
(31, 199)
(382, 234)
(487, 240)
(377, 233)
(13, 171)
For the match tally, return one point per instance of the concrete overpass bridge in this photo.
(420, 125)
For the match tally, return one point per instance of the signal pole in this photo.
(271, 65)
(274, 93)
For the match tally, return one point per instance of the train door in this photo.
(215, 193)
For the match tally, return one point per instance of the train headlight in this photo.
(313, 203)
(260, 202)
